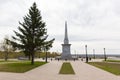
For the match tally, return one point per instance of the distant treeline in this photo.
(12, 55)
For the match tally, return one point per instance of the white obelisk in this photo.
(66, 53)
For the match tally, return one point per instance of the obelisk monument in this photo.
(66, 53)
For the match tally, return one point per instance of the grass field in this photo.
(18, 67)
(110, 67)
(113, 61)
(66, 68)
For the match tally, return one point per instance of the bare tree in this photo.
(6, 47)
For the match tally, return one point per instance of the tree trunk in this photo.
(6, 56)
(29, 56)
(46, 56)
(32, 56)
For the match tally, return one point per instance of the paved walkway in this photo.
(50, 72)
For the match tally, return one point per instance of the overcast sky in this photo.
(92, 22)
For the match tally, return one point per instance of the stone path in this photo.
(50, 72)
(87, 72)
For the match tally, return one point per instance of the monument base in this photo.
(66, 54)
(66, 57)
(69, 57)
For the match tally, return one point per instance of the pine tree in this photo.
(33, 34)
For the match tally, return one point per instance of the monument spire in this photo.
(66, 53)
(66, 41)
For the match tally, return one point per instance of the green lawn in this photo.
(113, 61)
(66, 68)
(9, 61)
(18, 67)
(110, 67)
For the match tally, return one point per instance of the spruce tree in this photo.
(32, 34)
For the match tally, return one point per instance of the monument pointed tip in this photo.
(65, 23)
(66, 41)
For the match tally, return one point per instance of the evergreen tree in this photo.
(33, 34)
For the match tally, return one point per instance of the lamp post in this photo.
(86, 53)
(105, 54)
(45, 51)
(94, 53)
(75, 54)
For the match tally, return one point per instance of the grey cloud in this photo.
(89, 20)
(92, 39)
(78, 38)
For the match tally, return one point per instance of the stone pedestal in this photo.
(66, 55)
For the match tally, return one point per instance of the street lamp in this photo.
(105, 54)
(94, 53)
(45, 51)
(86, 53)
